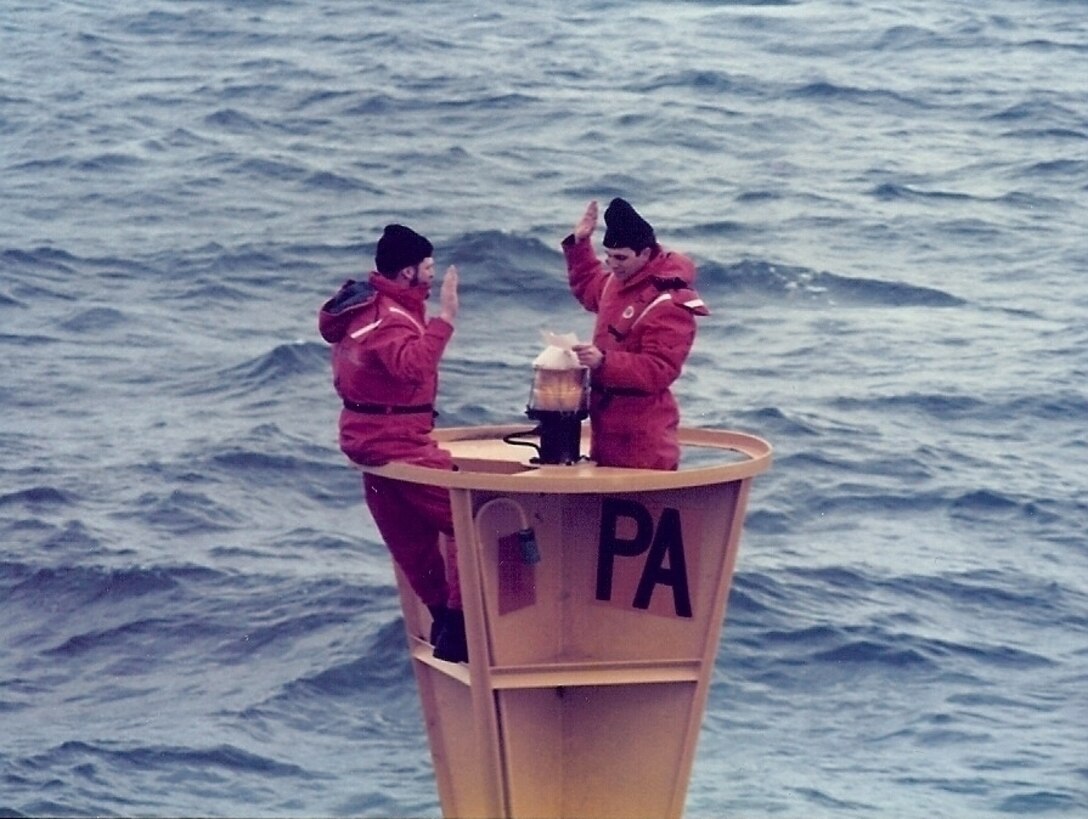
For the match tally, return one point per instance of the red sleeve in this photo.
(665, 337)
(585, 273)
(405, 353)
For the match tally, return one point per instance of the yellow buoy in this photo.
(594, 600)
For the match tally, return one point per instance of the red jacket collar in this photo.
(665, 265)
(412, 298)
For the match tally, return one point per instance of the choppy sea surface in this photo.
(888, 204)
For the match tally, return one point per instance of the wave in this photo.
(502, 263)
(39, 260)
(110, 161)
(36, 496)
(315, 473)
(167, 757)
(53, 273)
(939, 405)
(891, 191)
(798, 283)
(269, 371)
(827, 91)
(698, 79)
(111, 640)
(1061, 405)
(94, 320)
(740, 3)
(381, 666)
(906, 38)
(182, 512)
(73, 586)
(320, 98)
(492, 103)
(1041, 801)
(1047, 133)
(991, 590)
(231, 119)
(1038, 111)
(229, 478)
(1066, 168)
(74, 537)
(268, 168)
(335, 182)
(773, 633)
(383, 104)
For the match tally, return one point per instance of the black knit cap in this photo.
(625, 228)
(400, 247)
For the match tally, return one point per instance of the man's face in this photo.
(422, 273)
(624, 262)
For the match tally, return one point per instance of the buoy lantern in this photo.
(559, 402)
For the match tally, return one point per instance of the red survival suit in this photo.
(645, 327)
(385, 358)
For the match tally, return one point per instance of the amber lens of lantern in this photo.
(559, 390)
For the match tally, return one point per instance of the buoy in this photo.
(594, 601)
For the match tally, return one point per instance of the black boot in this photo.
(439, 613)
(451, 644)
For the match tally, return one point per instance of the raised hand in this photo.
(588, 223)
(448, 295)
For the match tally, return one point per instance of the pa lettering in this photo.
(662, 545)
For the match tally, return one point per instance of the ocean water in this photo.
(888, 204)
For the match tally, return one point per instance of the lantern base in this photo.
(560, 435)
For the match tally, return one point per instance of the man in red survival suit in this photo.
(385, 358)
(646, 308)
